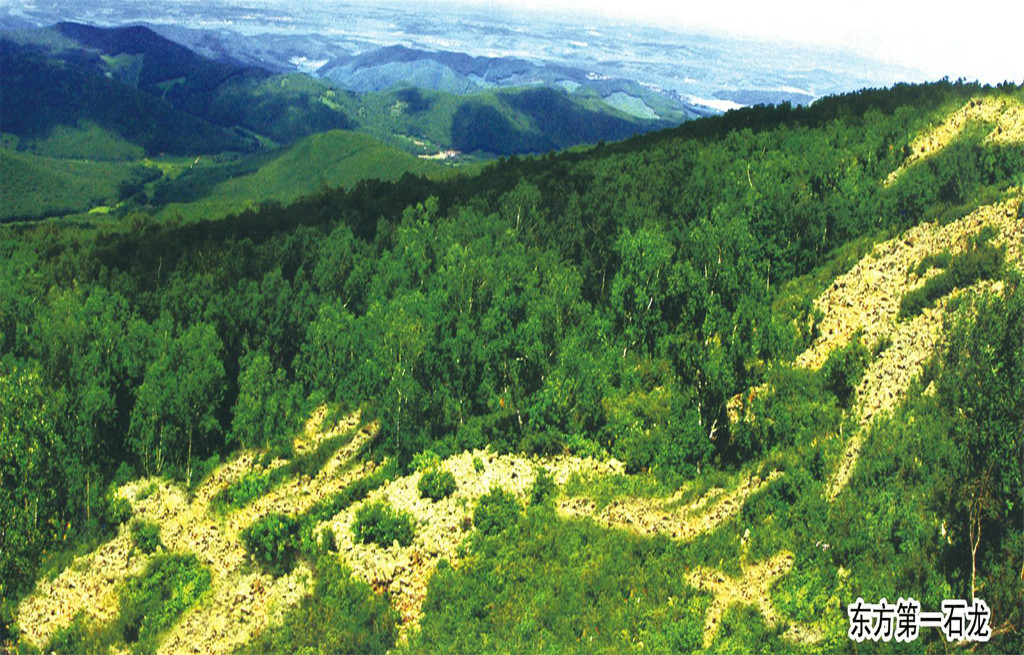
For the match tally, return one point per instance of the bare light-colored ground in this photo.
(1006, 116)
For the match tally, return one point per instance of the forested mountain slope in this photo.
(696, 390)
(41, 93)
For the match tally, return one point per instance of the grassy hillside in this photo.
(84, 141)
(661, 395)
(285, 108)
(323, 161)
(76, 94)
(59, 184)
(34, 186)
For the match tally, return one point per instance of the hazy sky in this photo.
(976, 39)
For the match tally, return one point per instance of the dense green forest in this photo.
(607, 302)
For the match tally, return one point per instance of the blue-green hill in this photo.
(41, 92)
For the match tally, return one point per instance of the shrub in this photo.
(153, 602)
(251, 486)
(795, 409)
(540, 586)
(436, 485)
(311, 463)
(380, 524)
(936, 260)
(119, 510)
(342, 615)
(497, 511)
(542, 442)
(124, 474)
(883, 344)
(146, 536)
(980, 262)
(328, 542)
(10, 631)
(272, 542)
(543, 487)
(844, 368)
(145, 492)
(582, 446)
(77, 637)
(637, 450)
(202, 470)
(329, 507)
(425, 461)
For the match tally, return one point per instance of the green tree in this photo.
(844, 368)
(640, 287)
(266, 404)
(982, 383)
(176, 405)
(80, 339)
(403, 333)
(32, 490)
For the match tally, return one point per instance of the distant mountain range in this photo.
(372, 47)
(167, 98)
(86, 110)
(121, 106)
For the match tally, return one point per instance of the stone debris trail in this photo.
(1005, 114)
(298, 495)
(88, 585)
(752, 587)
(237, 607)
(868, 298)
(656, 516)
(440, 526)
(712, 509)
(242, 600)
(887, 379)
(237, 603)
(242, 603)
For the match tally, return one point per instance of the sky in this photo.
(975, 39)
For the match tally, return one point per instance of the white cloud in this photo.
(969, 38)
